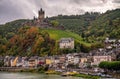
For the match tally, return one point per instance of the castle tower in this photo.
(41, 15)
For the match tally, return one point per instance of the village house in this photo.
(100, 58)
(76, 59)
(70, 59)
(48, 61)
(1, 59)
(83, 62)
(119, 41)
(33, 62)
(62, 59)
(110, 43)
(7, 61)
(62, 62)
(25, 62)
(19, 62)
(41, 61)
(66, 43)
(13, 61)
(57, 60)
(107, 40)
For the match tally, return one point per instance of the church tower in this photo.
(41, 15)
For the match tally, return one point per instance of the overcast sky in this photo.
(26, 9)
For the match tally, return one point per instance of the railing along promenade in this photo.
(16, 68)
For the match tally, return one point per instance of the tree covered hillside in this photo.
(88, 30)
(29, 41)
(93, 26)
(106, 25)
(9, 29)
(76, 23)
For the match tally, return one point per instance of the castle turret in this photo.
(41, 15)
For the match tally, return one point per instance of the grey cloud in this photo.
(117, 1)
(80, 1)
(26, 9)
(8, 11)
(90, 3)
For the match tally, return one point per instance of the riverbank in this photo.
(44, 70)
(22, 69)
(73, 74)
(87, 76)
(27, 75)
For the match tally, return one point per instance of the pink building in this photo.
(98, 59)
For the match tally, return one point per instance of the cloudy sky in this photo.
(26, 9)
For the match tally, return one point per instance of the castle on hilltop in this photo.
(41, 21)
(41, 16)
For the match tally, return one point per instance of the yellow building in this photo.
(48, 61)
(14, 62)
(83, 60)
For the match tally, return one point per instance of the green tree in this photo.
(113, 65)
(54, 23)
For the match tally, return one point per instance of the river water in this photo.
(8, 75)
(12, 75)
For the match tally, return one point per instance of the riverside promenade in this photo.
(15, 68)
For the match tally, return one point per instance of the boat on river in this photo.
(69, 73)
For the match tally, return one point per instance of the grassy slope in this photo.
(75, 25)
(58, 34)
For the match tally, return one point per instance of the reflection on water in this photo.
(7, 75)
(116, 76)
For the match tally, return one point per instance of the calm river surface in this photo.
(8, 75)
(11, 75)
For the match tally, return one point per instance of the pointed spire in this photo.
(41, 10)
(34, 18)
